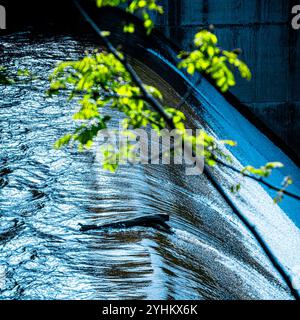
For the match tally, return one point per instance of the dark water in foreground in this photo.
(44, 194)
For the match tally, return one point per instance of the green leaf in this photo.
(129, 28)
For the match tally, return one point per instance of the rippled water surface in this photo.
(45, 193)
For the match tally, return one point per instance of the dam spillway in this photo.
(45, 193)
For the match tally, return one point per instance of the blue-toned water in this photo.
(45, 193)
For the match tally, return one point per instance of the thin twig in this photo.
(258, 179)
(188, 93)
(249, 176)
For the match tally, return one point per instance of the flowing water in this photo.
(45, 193)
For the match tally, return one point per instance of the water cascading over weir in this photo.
(44, 193)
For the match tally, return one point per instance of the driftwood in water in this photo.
(157, 221)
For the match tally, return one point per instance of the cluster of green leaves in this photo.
(9, 78)
(145, 7)
(101, 80)
(212, 148)
(263, 171)
(5, 78)
(285, 184)
(209, 58)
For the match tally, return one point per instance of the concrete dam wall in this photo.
(271, 47)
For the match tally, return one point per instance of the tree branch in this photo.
(169, 120)
(155, 104)
(258, 179)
